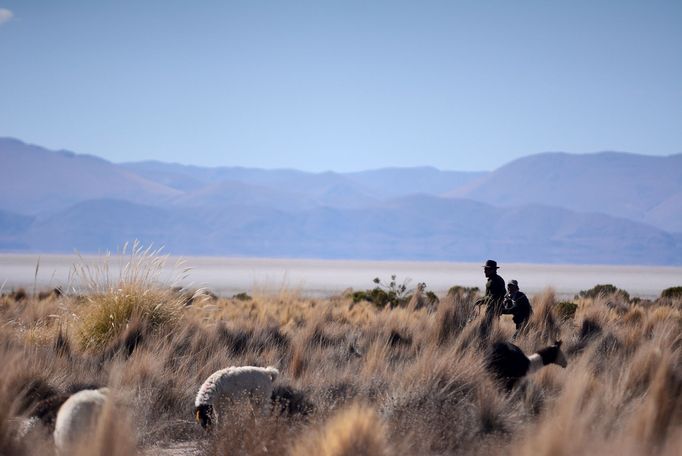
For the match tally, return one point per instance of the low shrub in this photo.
(242, 297)
(467, 293)
(566, 309)
(391, 294)
(672, 293)
(107, 316)
(137, 293)
(431, 298)
(602, 290)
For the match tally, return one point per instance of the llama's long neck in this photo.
(536, 363)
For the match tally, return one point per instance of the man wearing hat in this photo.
(494, 291)
(516, 303)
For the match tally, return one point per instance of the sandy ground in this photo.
(175, 449)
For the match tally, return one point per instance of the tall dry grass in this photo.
(381, 381)
(355, 431)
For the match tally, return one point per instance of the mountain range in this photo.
(609, 207)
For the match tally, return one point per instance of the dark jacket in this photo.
(518, 306)
(494, 295)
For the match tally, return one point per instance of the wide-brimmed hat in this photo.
(492, 264)
(513, 283)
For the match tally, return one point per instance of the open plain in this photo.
(404, 377)
(226, 276)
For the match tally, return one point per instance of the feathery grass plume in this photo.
(435, 395)
(355, 431)
(250, 434)
(453, 313)
(656, 422)
(634, 317)
(543, 322)
(299, 358)
(137, 294)
(62, 344)
(590, 326)
(572, 414)
(108, 315)
(496, 412)
(661, 315)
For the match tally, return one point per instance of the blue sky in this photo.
(342, 85)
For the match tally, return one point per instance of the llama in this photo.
(508, 363)
(77, 418)
(229, 385)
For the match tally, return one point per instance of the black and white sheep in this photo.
(508, 363)
(231, 384)
(77, 418)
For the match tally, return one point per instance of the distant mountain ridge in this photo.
(35, 180)
(60, 201)
(637, 187)
(327, 187)
(448, 229)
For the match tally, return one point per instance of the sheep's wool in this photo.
(233, 381)
(77, 417)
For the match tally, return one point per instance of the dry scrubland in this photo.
(408, 380)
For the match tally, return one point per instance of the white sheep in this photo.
(231, 384)
(77, 418)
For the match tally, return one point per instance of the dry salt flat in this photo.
(312, 277)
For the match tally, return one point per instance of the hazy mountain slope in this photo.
(667, 213)
(329, 188)
(230, 193)
(12, 226)
(174, 175)
(396, 182)
(85, 203)
(34, 179)
(106, 224)
(418, 227)
(638, 187)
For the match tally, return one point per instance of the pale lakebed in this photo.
(226, 276)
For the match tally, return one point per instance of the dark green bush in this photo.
(466, 292)
(566, 309)
(604, 290)
(431, 298)
(672, 293)
(392, 294)
(242, 297)
(376, 296)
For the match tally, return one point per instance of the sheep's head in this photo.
(553, 355)
(203, 414)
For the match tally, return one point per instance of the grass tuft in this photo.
(355, 431)
(107, 316)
